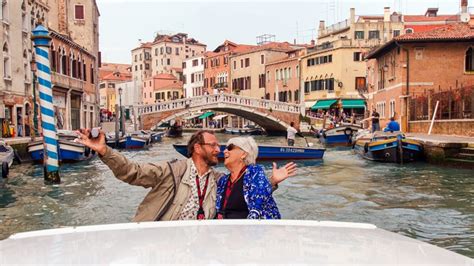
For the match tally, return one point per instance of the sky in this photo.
(125, 23)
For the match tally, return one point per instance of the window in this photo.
(241, 63)
(396, 33)
(195, 62)
(184, 65)
(247, 62)
(192, 78)
(409, 30)
(168, 61)
(392, 108)
(360, 84)
(419, 53)
(168, 50)
(358, 35)
(469, 65)
(374, 34)
(79, 12)
(261, 81)
(262, 59)
(147, 66)
(161, 50)
(297, 74)
(177, 51)
(135, 58)
(357, 56)
(156, 51)
(235, 64)
(226, 60)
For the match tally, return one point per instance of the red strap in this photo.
(200, 214)
(230, 186)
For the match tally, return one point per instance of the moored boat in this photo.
(341, 134)
(269, 152)
(175, 131)
(6, 157)
(388, 147)
(133, 142)
(68, 149)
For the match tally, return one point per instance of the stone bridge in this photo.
(273, 116)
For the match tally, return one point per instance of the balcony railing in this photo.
(66, 81)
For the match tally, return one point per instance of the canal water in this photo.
(426, 202)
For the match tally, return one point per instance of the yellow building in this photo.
(335, 67)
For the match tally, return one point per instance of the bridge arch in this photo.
(274, 117)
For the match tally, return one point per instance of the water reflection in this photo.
(433, 204)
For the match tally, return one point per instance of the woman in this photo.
(245, 192)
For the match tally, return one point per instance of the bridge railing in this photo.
(206, 100)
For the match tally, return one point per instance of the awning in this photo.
(309, 104)
(192, 116)
(206, 115)
(353, 103)
(323, 104)
(217, 117)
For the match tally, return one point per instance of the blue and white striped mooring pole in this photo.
(41, 41)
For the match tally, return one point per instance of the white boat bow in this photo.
(223, 241)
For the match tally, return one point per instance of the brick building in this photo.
(413, 64)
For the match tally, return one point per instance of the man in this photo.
(291, 134)
(392, 125)
(180, 190)
(375, 121)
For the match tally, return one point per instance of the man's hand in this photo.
(280, 174)
(97, 144)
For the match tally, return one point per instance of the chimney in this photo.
(294, 41)
(463, 6)
(386, 14)
(352, 16)
(313, 42)
(322, 25)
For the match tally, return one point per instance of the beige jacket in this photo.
(163, 202)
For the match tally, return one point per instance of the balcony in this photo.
(66, 81)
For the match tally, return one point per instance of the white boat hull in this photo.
(223, 242)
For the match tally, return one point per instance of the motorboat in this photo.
(7, 154)
(223, 242)
(341, 134)
(391, 147)
(270, 152)
(174, 131)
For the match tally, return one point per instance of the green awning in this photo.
(206, 115)
(323, 104)
(353, 103)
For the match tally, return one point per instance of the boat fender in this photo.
(348, 131)
(5, 169)
(87, 151)
(366, 147)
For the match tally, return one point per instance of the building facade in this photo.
(110, 80)
(217, 68)
(335, 67)
(283, 78)
(193, 76)
(19, 18)
(170, 51)
(398, 72)
(248, 68)
(161, 88)
(141, 65)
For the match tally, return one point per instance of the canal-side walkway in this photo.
(446, 149)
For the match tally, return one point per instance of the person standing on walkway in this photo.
(375, 121)
(180, 189)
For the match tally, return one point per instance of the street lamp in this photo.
(120, 108)
(35, 104)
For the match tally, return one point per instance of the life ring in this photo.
(366, 147)
(348, 131)
(5, 169)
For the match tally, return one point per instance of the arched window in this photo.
(469, 65)
(6, 62)
(53, 58)
(63, 62)
(79, 67)
(74, 67)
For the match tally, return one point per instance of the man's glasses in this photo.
(213, 145)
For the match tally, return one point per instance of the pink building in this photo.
(160, 88)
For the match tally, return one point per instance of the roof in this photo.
(449, 33)
(273, 46)
(116, 76)
(164, 76)
(143, 45)
(422, 18)
(179, 37)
